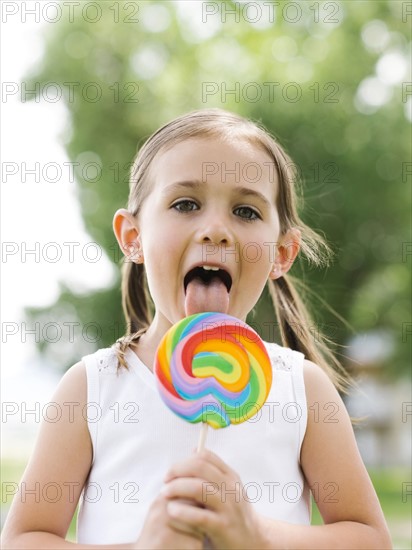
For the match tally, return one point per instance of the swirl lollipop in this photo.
(213, 368)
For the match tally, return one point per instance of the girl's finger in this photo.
(178, 525)
(199, 520)
(214, 459)
(189, 488)
(199, 465)
(203, 492)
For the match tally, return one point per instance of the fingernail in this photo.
(164, 490)
(173, 508)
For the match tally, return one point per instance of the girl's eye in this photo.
(185, 206)
(247, 213)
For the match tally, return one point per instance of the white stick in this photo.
(202, 437)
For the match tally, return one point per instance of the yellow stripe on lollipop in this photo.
(225, 378)
(234, 381)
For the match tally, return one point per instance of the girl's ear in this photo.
(286, 252)
(127, 234)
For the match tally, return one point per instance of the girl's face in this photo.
(212, 203)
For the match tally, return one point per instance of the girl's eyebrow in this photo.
(196, 184)
(191, 184)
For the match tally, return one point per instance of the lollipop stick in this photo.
(202, 437)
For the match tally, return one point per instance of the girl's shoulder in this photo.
(73, 382)
(285, 359)
(317, 381)
(103, 360)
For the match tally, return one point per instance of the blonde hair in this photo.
(293, 318)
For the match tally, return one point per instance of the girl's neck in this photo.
(146, 347)
(145, 354)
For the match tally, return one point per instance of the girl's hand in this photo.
(223, 514)
(159, 534)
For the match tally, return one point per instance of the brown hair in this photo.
(292, 315)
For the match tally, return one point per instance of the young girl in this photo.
(211, 220)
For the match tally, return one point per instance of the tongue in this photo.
(211, 296)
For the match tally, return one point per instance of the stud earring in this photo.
(132, 254)
(275, 272)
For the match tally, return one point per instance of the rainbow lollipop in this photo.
(213, 368)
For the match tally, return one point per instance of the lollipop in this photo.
(213, 368)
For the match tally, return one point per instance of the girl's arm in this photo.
(338, 479)
(61, 458)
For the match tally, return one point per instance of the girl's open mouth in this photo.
(207, 289)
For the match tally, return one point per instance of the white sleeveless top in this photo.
(136, 439)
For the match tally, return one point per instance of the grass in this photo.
(391, 485)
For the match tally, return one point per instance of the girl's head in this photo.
(212, 188)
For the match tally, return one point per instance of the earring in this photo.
(132, 254)
(137, 257)
(275, 272)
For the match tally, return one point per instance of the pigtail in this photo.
(295, 325)
(136, 299)
(136, 307)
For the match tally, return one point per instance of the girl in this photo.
(211, 220)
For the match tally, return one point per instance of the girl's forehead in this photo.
(199, 154)
(215, 160)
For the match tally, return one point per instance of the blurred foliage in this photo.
(154, 60)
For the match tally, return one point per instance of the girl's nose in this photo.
(215, 231)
